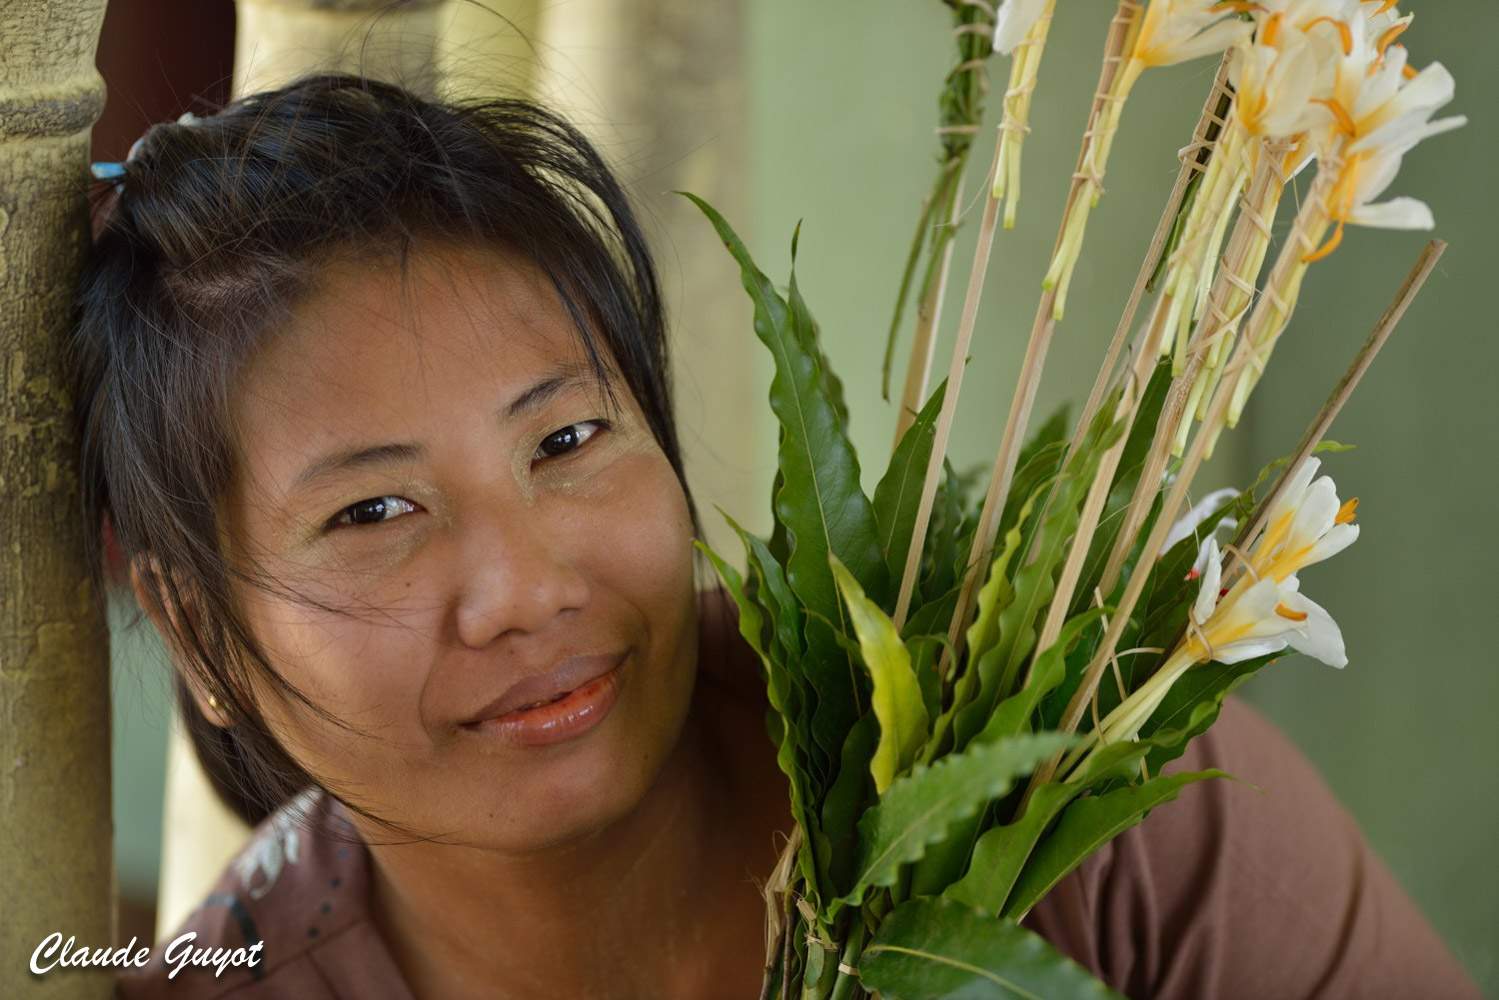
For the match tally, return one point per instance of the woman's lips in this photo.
(567, 717)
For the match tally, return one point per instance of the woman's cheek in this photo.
(345, 664)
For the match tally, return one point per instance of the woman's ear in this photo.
(173, 624)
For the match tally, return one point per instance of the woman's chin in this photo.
(572, 790)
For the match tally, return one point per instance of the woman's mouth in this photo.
(557, 719)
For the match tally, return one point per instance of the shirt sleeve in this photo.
(1261, 887)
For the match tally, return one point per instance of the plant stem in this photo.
(1271, 313)
(1241, 264)
(1120, 33)
(961, 105)
(1393, 313)
(950, 397)
(848, 961)
(928, 321)
(1134, 387)
(1194, 159)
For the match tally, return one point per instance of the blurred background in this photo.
(781, 111)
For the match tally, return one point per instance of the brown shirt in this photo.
(1228, 892)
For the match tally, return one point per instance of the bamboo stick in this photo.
(1120, 32)
(1139, 374)
(1250, 226)
(1393, 313)
(1193, 158)
(1420, 271)
(950, 398)
(928, 322)
(1310, 225)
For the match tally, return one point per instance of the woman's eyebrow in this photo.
(358, 457)
(564, 376)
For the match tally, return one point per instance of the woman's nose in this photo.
(519, 575)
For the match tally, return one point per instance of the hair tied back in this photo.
(110, 170)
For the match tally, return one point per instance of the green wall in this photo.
(841, 114)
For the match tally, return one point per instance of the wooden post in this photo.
(277, 40)
(57, 849)
(659, 86)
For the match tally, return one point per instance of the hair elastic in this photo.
(111, 170)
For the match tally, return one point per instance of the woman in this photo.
(375, 398)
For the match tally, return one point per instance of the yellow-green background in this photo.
(840, 101)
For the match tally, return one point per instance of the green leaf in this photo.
(1035, 582)
(1192, 705)
(805, 328)
(947, 860)
(819, 501)
(1053, 431)
(937, 949)
(898, 495)
(784, 607)
(1087, 825)
(977, 690)
(1122, 489)
(920, 808)
(897, 699)
(926, 637)
(1013, 715)
(778, 686)
(841, 810)
(949, 536)
(1001, 852)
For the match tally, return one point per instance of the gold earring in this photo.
(213, 702)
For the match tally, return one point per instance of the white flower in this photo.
(1176, 31)
(1306, 525)
(1189, 522)
(1014, 21)
(1378, 110)
(1272, 82)
(1264, 618)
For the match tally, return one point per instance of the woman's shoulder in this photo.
(1259, 885)
(288, 916)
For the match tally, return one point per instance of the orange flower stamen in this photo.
(1344, 119)
(1409, 72)
(1390, 35)
(1271, 30)
(1343, 31)
(1346, 512)
(1386, 5)
(1285, 612)
(1327, 248)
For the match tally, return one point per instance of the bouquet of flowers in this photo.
(971, 694)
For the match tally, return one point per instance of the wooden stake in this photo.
(1042, 326)
(928, 323)
(950, 397)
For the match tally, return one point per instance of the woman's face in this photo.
(453, 524)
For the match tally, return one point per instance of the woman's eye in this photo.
(374, 510)
(568, 438)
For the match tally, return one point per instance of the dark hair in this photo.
(217, 229)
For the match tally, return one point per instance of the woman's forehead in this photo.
(379, 351)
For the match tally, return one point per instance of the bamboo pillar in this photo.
(56, 854)
(659, 86)
(488, 49)
(275, 41)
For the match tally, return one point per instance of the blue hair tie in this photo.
(109, 170)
